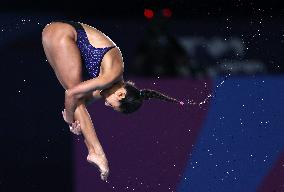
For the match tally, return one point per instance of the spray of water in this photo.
(211, 95)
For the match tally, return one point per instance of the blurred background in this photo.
(224, 59)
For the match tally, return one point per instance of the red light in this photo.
(148, 13)
(167, 12)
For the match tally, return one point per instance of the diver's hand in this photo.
(66, 119)
(75, 128)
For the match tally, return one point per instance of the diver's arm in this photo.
(71, 103)
(70, 106)
(90, 98)
(112, 74)
(73, 95)
(91, 85)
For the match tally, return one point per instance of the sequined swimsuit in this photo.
(92, 56)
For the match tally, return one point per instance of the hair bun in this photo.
(141, 92)
(146, 94)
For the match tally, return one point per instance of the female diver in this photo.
(69, 45)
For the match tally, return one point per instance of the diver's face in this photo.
(113, 96)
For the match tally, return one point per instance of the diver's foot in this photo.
(100, 161)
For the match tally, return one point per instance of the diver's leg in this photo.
(64, 57)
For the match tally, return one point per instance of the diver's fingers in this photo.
(78, 127)
(75, 129)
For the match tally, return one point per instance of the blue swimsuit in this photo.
(92, 57)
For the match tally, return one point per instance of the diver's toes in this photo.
(104, 176)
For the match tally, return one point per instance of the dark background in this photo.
(36, 146)
(132, 9)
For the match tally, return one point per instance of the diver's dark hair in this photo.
(134, 97)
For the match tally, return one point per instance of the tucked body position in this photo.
(89, 66)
